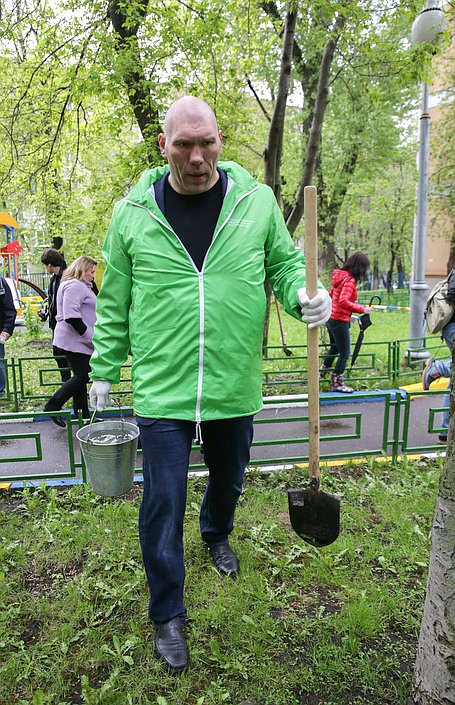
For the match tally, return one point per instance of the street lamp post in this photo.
(427, 27)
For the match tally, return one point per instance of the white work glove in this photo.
(315, 311)
(99, 394)
(4, 337)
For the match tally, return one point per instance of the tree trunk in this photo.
(126, 21)
(327, 257)
(375, 280)
(400, 272)
(329, 208)
(390, 273)
(434, 674)
(274, 150)
(312, 149)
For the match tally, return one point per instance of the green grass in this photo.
(386, 325)
(301, 626)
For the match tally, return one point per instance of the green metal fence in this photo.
(397, 422)
(379, 364)
(26, 451)
(8, 461)
(399, 297)
(32, 379)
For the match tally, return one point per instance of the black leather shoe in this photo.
(170, 645)
(224, 558)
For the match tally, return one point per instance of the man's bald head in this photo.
(188, 107)
(191, 143)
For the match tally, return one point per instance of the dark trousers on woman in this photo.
(340, 344)
(62, 362)
(75, 386)
(166, 446)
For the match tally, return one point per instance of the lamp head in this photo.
(429, 24)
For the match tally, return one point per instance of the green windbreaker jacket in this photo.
(195, 337)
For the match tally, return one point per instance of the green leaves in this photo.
(73, 92)
(121, 649)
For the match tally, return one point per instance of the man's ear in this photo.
(162, 144)
(220, 135)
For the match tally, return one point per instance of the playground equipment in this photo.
(10, 253)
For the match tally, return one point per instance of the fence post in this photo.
(15, 392)
(395, 362)
(396, 428)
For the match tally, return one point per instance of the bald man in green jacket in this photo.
(187, 254)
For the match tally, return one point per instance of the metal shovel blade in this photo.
(314, 515)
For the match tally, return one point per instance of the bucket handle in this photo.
(89, 440)
(116, 401)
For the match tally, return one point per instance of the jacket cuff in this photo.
(78, 325)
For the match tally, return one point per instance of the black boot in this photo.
(58, 420)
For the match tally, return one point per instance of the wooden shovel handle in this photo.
(311, 257)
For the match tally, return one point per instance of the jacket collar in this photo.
(236, 181)
(157, 189)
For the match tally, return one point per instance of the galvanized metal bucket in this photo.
(109, 450)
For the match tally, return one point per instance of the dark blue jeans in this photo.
(166, 446)
(340, 344)
(2, 369)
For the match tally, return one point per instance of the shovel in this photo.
(314, 515)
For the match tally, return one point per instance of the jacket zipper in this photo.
(198, 436)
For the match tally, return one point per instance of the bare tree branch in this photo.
(258, 100)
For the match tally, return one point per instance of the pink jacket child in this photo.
(76, 302)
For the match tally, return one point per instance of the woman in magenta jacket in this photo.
(76, 301)
(344, 296)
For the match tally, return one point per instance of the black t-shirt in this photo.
(193, 218)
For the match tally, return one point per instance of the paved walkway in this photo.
(280, 422)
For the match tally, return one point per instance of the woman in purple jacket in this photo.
(76, 317)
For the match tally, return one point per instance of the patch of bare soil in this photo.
(41, 581)
(315, 600)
